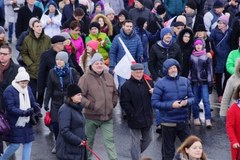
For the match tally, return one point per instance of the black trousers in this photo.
(169, 134)
(220, 87)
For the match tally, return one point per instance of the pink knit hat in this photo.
(93, 44)
(224, 19)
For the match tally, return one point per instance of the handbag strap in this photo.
(222, 39)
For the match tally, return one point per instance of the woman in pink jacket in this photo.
(74, 31)
(233, 125)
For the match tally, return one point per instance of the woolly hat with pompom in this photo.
(22, 75)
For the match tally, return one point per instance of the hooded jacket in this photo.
(158, 54)
(186, 50)
(106, 22)
(231, 60)
(168, 90)
(231, 86)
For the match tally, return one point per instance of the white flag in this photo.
(123, 68)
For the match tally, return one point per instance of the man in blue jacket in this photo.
(132, 42)
(172, 96)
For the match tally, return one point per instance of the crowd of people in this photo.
(68, 51)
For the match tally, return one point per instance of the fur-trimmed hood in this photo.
(180, 37)
(106, 21)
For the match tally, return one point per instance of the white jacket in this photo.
(11, 16)
(51, 29)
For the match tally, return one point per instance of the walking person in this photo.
(172, 96)
(221, 36)
(8, 71)
(71, 137)
(58, 79)
(20, 105)
(99, 98)
(233, 124)
(136, 101)
(201, 76)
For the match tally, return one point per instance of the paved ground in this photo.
(215, 141)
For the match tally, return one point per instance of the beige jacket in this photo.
(230, 88)
(99, 95)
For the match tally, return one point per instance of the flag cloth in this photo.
(123, 67)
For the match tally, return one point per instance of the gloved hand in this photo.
(46, 107)
(28, 112)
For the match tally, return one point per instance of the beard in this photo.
(173, 75)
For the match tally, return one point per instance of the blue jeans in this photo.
(157, 117)
(13, 147)
(146, 70)
(121, 81)
(201, 92)
(10, 30)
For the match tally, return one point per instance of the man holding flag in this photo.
(133, 45)
(136, 101)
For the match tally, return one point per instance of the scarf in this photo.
(3, 69)
(199, 53)
(166, 45)
(189, 18)
(74, 36)
(61, 73)
(24, 103)
(68, 49)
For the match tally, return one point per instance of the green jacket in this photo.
(231, 60)
(32, 49)
(103, 50)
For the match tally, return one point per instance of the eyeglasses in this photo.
(186, 36)
(4, 54)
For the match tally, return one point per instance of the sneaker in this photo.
(197, 122)
(219, 99)
(54, 150)
(208, 124)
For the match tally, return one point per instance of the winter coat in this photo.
(103, 50)
(99, 95)
(222, 49)
(201, 69)
(186, 50)
(145, 37)
(133, 44)
(24, 15)
(55, 92)
(32, 49)
(167, 90)
(136, 101)
(79, 46)
(174, 8)
(210, 20)
(13, 112)
(158, 54)
(10, 14)
(71, 132)
(8, 76)
(231, 60)
(233, 127)
(135, 13)
(231, 86)
(51, 29)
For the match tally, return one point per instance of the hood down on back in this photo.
(169, 63)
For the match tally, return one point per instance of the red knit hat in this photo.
(93, 44)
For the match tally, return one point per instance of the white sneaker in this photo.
(54, 150)
(197, 122)
(208, 123)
